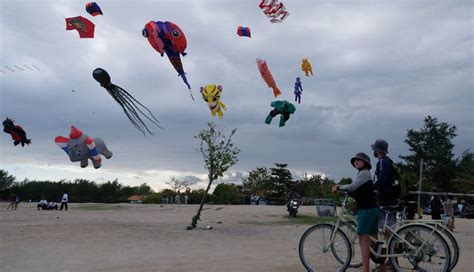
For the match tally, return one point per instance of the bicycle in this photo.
(417, 245)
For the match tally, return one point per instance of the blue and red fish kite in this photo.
(167, 37)
(93, 9)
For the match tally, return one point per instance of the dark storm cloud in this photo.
(380, 68)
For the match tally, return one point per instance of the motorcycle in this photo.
(293, 206)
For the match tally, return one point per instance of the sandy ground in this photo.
(125, 237)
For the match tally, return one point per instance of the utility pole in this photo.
(419, 187)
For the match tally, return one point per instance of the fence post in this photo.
(419, 187)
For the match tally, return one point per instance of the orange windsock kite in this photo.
(267, 76)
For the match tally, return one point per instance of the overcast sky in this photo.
(380, 67)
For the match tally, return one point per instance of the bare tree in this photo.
(219, 154)
(177, 185)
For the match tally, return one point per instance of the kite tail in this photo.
(183, 76)
(276, 91)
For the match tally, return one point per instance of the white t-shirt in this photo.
(65, 198)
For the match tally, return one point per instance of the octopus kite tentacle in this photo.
(127, 101)
(131, 106)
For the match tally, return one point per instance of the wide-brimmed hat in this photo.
(361, 156)
(380, 145)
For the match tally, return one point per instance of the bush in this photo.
(154, 198)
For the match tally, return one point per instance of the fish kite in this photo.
(129, 104)
(298, 90)
(243, 31)
(93, 9)
(212, 95)
(306, 67)
(267, 76)
(167, 37)
(16, 132)
(84, 27)
(81, 147)
(284, 108)
(274, 10)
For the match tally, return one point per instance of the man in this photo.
(292, 195)
(42, 204)
(384, 180)
(64, 201)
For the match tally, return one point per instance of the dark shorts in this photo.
(367, 221)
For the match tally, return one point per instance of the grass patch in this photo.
(305, 219)
(301, 219)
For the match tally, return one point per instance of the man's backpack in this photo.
(398, 185)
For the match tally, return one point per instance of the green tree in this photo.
(219, 154)
(282, 180)
(258, 182)
(464, 180)
(144, 189)
(6, 180)
(227, 193)
(433, 144)
(345, 181)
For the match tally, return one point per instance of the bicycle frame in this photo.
(344, 217)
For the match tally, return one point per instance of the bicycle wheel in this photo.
(316, 252)
(428, 251)
(453, 246)
(350, 229)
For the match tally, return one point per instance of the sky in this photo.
(380, 67)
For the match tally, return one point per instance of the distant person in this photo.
(163, 199)
(64, 201)
(12, 201)
(461, 208)
(436, 206)
(42, 204)
(362, 189)
(17, 200)
(167, 200)
(186, 199)
(449, 211)
(292, 195)
(52, 206)
(178, 201)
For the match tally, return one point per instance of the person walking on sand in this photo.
(12, 201)
(449, 211)
(64, 201)
(436, 206)
(178, 201)
(17, 200)
(186, 199)
(367, 211)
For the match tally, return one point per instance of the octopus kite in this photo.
(212, 95)
(16, 132)
(267, 76)
(306, 67)
(167, 37)
(284, 108)
(129, 104)
(81, 147)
